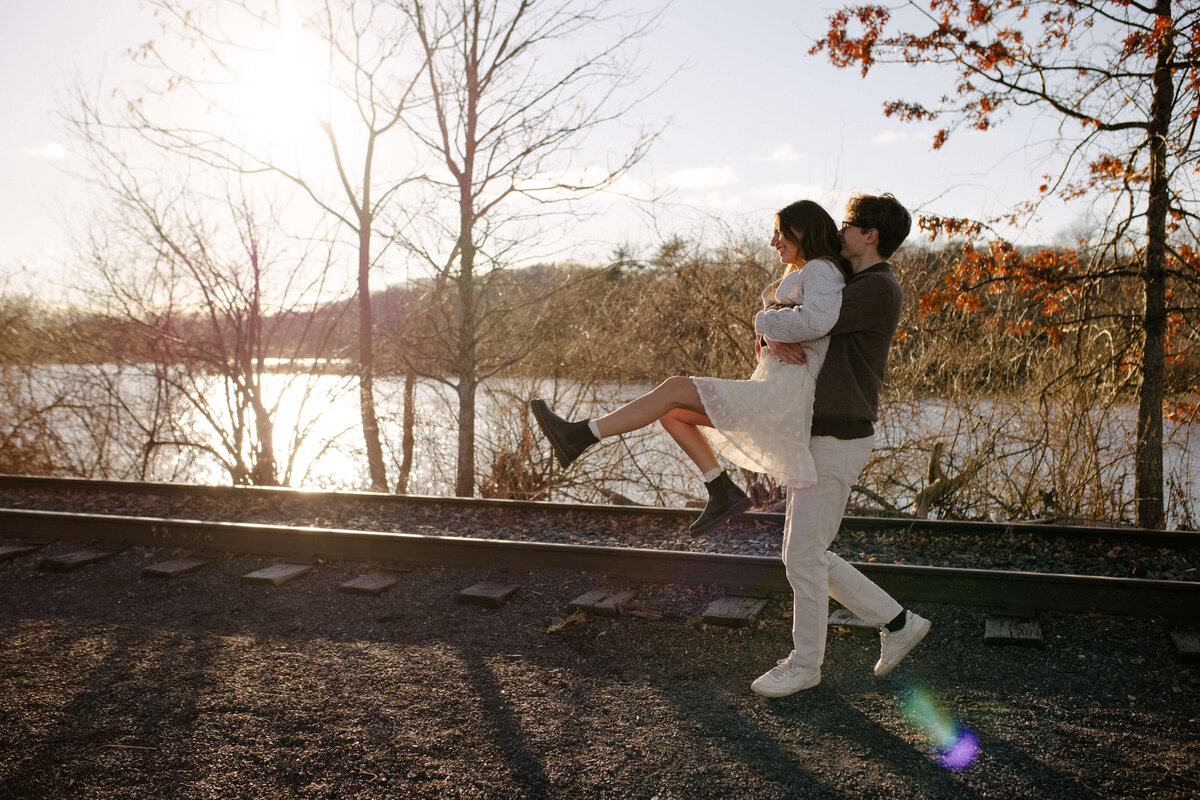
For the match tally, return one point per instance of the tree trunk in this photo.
(263, 471)
(366, 362)
(410, 421)
(464, 484)
(1148, 462)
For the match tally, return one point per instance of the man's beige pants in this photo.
(814, 516)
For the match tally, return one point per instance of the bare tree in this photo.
(33, 403)
(1123, 79)
(209, 316)
(206, 299)
(508, 102)
(367, 80)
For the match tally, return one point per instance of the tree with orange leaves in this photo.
(1123, 77)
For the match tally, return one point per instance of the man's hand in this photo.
(790, 352)
(768, 294)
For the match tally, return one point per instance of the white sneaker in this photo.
(894, 646)
(785, 678)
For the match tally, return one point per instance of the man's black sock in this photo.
(897, 623)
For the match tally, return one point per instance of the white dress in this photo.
(763, 423)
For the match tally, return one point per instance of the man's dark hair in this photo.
(883, 213)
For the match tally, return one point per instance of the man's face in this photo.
(854, 239)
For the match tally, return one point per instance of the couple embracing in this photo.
(805, 416)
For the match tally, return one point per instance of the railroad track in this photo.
(1174, 540)
(997, 590)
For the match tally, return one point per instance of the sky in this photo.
(749, 123)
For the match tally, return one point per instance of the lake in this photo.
(1025, 453)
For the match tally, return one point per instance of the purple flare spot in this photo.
(962, 753)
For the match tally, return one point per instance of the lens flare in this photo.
(957, 747)
(962, 752)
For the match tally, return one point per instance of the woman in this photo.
(762, 423)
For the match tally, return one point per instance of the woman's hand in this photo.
(790, 352)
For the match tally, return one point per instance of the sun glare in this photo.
(282, 93)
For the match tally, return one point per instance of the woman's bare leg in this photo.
(676, 404)
(673, 393)
(683, 427)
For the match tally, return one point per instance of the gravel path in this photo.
(117, 686)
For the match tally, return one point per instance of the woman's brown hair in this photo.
(809, 227)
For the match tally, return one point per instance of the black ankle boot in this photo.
(724, 500)
(568, 439)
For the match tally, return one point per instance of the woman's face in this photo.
(789, 251)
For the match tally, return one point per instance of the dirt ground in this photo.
(119, 686)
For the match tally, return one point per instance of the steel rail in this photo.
(1176, 540)
(995, 589)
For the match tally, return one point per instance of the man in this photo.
(844, 412)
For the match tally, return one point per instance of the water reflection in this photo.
(319, 442)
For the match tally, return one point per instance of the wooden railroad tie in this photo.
(376, 583)
(1017, 626)
(489, 593)
(737, 609)
(733, 612)
(276, 575)
(372, 584)
(175, 567)
(845, 618)
(69, 562)
(10, 551)
(494, 592)
(602, 602)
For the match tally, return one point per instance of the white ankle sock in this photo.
(712, 474)
(592, 428)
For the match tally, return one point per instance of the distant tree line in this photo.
(686, 309)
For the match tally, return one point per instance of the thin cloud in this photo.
(702, 178)
(891, 137)
(780, 194)
(784, 155)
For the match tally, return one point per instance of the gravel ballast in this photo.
(119, 686)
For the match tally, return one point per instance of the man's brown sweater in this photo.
(847, 396)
